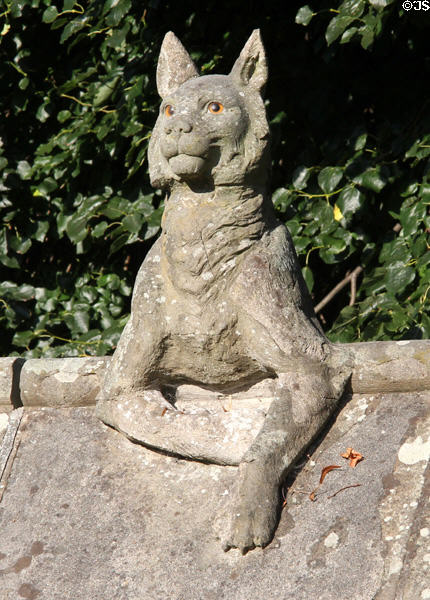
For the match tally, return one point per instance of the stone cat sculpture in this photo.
(219, 301)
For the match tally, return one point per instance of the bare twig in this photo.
(338, 287)
(353, 288)
(344, 488)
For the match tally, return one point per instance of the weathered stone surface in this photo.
(7, 445)
(61, 381)
(86, 514)
(402, 366)
(4, 420)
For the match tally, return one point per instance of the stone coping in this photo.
(402, 366)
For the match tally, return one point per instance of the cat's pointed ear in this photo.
(174, 65)
(251, 66)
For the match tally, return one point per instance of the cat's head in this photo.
(211, 129)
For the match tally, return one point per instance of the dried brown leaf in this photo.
(347, 453)
(324, 472)
(327, 470)
(353, 456)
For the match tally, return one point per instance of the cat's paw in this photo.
(253, 515)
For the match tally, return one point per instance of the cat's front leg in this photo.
(300, 409)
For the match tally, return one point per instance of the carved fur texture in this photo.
(220, 301)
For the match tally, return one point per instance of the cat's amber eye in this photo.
(215, 108)
(169, 110)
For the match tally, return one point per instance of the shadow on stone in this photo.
(15, 395)
(299, 465)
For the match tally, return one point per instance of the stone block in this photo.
(62, 381)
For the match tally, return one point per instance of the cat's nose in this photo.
(178, 125)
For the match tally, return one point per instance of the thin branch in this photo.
(353, 288)
(338, 288)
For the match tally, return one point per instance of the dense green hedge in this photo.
(349, 105)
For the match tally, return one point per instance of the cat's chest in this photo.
(198, 247)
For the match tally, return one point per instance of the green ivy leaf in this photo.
(105, 91)
(43, 112)
(50, 14)
(294, 227)
(399, 320)
(117, 12)
(371, 179)
(302, 243)
(118, 37)
(411, 216)
(78, 321)
(367, 36)
(110, 281)
(304, 15)
(72, 28)
(20, 245)
(353, 8)
(398, 277)
(350, 201)
(308, 277)
(396, 250)
(47, 186)
(23, 338)
(329, 178)
(24, 169)
(300, 177)
(24, 292)
(360, 142)
(76, 229)
(348, 34)
(336, 27)
(425, 192)
(118, 243)
(99, 229)
(133, 223)
(63, 115)
(282, 198)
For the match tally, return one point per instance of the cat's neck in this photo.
(223, 201)
(206, 233)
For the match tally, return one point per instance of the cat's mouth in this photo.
(187, 166)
